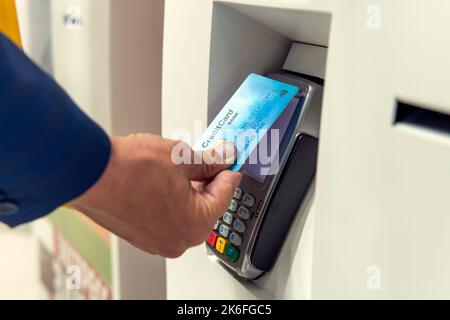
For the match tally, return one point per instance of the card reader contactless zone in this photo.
(248, 238)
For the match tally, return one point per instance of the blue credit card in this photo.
(247, 116)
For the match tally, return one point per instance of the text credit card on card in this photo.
(247, 116)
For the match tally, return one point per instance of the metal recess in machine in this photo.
(248, 238)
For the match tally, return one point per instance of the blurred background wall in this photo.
(107, 55)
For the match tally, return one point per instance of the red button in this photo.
(212, 238)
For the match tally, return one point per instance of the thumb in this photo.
(220, 191)
(209, 163)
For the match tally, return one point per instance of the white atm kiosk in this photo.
(268, 41)
(374, 223)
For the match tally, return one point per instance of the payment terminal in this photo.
(248, 238)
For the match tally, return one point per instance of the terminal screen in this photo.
(265, 158)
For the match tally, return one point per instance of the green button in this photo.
(231, 252)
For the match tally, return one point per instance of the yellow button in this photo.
(220, 244)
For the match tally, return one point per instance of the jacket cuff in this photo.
(51, 152)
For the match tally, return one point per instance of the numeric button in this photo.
(235, 239)
(239, 226)
(224, 230)
(238, 193)
(244, 213)
(248, 200)
(228, 218)
(233, 205)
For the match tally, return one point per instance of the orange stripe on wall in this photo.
(9, 24)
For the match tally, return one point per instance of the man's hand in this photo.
(159, 206)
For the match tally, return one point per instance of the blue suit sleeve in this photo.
(50, 151)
